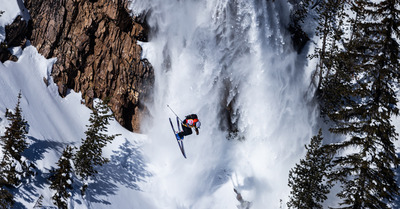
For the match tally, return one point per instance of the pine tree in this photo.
(299, 12)
(6, 198)
(331, 27)
(13, 144)
(13, 141)
(308, 179)
(90, 152)
(61, 178)
(365, 78)
(12, 166)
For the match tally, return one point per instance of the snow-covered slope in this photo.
(213, 47)
(56, 122)
(205, 54)
(10, 10)
(216, 43)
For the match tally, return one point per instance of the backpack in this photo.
(191, 116)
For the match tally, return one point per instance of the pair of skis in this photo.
(180, 142)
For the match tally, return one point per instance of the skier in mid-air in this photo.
(191, 121)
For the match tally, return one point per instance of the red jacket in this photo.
(191, 123)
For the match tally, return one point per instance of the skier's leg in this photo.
(186, 131)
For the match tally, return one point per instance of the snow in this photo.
(56, 122)
(11, 9)
(148, 171)
(266, 84)
(267, 87)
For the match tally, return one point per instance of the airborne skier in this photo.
(191, 121)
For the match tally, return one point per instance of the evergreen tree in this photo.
(299, 12)
(365, 78)
(61, 178)
(13, 166)
(90, 152)
(6, 198)
(13, 141)
(308, 179)
(331, 27)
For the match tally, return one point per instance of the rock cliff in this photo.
(15, 36)
(95, 42)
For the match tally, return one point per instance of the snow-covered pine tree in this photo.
(13, 143)
(308, 179)
(61, 178)
(90, 152)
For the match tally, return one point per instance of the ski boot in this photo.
(178, 137)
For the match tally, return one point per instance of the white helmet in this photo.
(198, 124)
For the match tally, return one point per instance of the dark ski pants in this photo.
(185, 131)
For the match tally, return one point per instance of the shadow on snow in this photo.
(28, 190)
(126, 167)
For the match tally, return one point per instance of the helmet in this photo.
(198, 124)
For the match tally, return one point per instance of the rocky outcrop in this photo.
(95, 42)
(15, 36)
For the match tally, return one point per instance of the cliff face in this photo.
(15, 36)
(95, 42)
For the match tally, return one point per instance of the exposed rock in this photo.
(299, 37)
(16, 32)
(15, 36)
(95, 43)
(5, 54)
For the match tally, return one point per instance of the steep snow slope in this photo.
(55, 122)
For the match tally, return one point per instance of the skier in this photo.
(191, 121)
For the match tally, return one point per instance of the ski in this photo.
(179, 130)
(180, 143)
